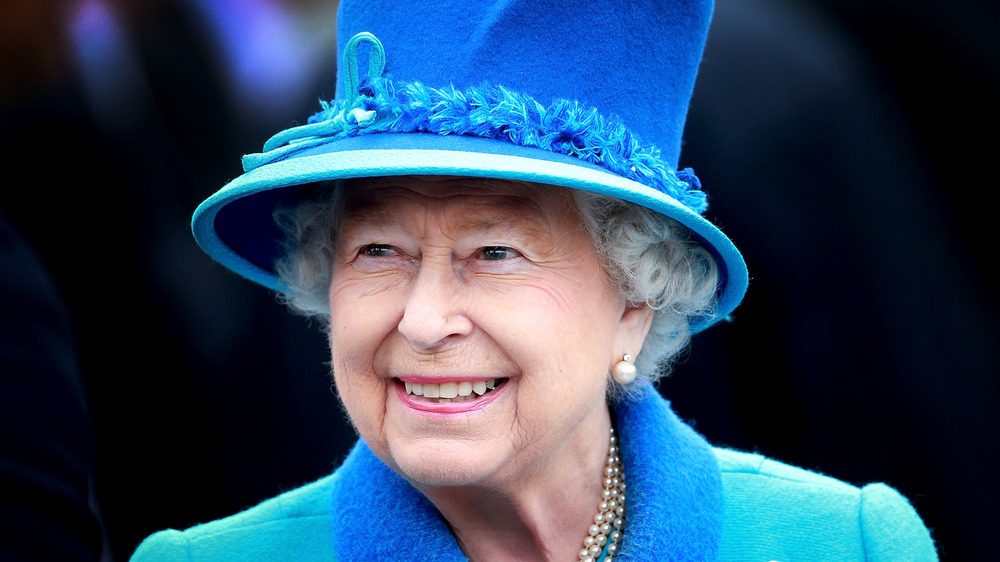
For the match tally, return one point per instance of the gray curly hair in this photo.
(650, 257)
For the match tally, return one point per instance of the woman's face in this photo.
(489, 289)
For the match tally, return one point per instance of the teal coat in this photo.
(686, 501)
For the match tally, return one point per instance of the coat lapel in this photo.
(674, 496)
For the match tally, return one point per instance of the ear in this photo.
(632, 329)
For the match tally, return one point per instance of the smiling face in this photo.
(490, 294)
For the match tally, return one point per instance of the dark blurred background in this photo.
(848, 148)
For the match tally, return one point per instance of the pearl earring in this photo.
(624, 371)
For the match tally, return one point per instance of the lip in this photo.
(439, 380)
(447, 408)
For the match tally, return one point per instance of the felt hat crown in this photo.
(586, 95)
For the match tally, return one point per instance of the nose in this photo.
(432, 317)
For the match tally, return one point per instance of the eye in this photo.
(378, 251)
(497, 253)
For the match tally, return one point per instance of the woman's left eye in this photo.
(378, 250)
(496, 253)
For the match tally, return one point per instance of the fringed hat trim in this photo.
(491, 112)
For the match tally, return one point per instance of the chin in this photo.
(444, 464)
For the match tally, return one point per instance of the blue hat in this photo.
(586, 95)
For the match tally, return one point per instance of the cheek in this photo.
(565, 311)
(556, 330)
(362, 394)
(359, 322)
(361, 314)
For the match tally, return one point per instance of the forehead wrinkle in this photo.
(497, 219)
(485, 211)
(526, 209)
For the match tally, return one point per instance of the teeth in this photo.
(449, 390)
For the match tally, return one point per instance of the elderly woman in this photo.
(504, 268)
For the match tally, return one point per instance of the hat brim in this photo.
(235, 225)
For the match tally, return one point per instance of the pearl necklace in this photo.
(609, 523)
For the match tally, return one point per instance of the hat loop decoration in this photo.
(297, 138)
(376, 62)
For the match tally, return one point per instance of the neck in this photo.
(541, 513)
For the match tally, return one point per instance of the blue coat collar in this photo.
(674, 508)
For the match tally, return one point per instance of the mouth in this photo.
(452, 392)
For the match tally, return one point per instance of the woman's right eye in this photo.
(378, 251)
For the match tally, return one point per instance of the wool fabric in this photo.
(686, 501)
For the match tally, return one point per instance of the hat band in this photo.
(493, 112)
